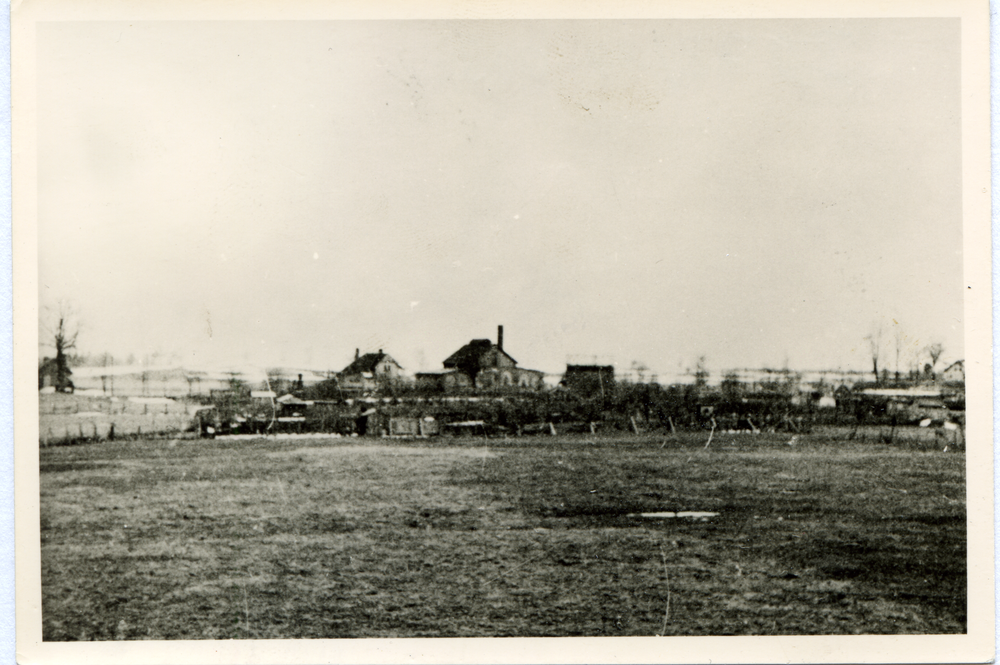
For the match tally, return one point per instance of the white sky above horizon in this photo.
(758, 192)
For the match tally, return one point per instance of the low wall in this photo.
(66, 418)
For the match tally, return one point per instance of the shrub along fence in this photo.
(630, 407)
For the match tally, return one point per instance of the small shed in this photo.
(589, 380)
(410, 426)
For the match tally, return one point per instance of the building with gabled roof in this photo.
(482, 365)
(477, 355)
(370, 371)
(954, 373)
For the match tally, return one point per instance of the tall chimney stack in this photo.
(357, 353)
(500, 337)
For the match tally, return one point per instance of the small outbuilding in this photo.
(443, 380)
(589, 380)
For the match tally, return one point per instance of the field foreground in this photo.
(200, 539)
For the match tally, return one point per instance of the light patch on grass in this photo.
(203, 589)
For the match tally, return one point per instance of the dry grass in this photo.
(529, 537)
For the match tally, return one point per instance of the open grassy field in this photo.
(528, 537)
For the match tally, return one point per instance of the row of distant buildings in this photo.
(479, 366)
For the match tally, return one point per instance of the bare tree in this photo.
(62, 328)
(730, 386)
(107, 360)
(701, 372)
(898, 338)
(934, 350)
(874, 340)
(640, 368)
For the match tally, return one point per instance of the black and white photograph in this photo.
(491, 322)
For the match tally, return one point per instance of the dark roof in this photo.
(590, 368)
(471, 353)
(368, 363)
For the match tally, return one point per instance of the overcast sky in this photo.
(759, 192)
